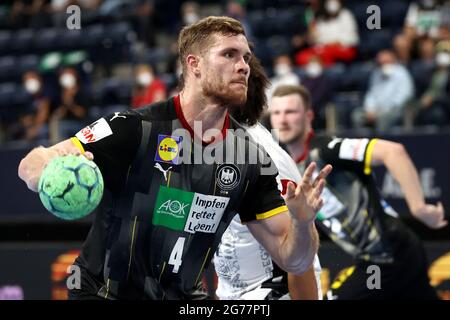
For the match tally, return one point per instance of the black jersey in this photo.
(354, 215)
(165, 208)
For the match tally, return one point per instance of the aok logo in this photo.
(175, 208)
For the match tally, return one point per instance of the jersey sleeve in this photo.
(263, 199)
(113, 140)
(353, 154)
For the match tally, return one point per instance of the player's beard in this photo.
(221, 93)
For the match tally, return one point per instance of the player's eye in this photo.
(229, 55)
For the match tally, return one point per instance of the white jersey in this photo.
(241, 263)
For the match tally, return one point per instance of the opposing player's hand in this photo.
(304, 201)
(432, 216)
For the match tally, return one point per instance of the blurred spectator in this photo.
(390, 88)
(32, 124)
(431, 107)
(148, 88)
(423, 19)
(28, 14)
(72, 106)
(321, 88)
(236, 9)
(444, 30)
(422, 27)
(333, 36)
(144, 22)
(284, 74)
(300, 40)
(190, 13)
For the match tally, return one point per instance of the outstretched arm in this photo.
(291, 237)
(397, 161)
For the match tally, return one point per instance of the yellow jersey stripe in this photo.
(272, 212)
(77, 144)
(203, 265)
(368, 159)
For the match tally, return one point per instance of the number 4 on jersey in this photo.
(177, 253)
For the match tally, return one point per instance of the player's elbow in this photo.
(397, 149)
(389, 151)
(301, 267)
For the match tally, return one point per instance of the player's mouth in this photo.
(241, 82)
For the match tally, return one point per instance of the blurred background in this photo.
(386, 77)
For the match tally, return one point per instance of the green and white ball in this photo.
(71, 187)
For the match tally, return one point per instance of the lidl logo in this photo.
(188, 211)
(168, 149)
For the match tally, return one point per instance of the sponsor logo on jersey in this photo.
(168, 149)
(228, 176)
(117, 115)
(188, 211)
(353, 149)
(160, 168)
(94, 132)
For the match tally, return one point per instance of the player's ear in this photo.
(193, 64)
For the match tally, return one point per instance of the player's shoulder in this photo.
(159, 111)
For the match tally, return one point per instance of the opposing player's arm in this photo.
(31, 167)
(290, 236)
(397, 161)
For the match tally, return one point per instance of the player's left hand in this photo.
(305, 201)
(432, 216)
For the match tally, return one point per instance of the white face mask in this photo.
(443, 59)
(67, 80)
(282, 69)
(32, 86)
(332, 6)
(387, 69)
(314, 69)
(190, 18)
(144, 78)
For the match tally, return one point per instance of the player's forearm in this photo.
(303, 287)
(299, 247)
(405, 173)
(31, 167)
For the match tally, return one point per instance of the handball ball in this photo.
(71, 187)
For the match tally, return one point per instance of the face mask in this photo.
(190, 18)
(32, 86)
(144, 78)
(443, 59)
(387, 69)
(314, 69)
(67, 80)
(282, 69)
(332, 6)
